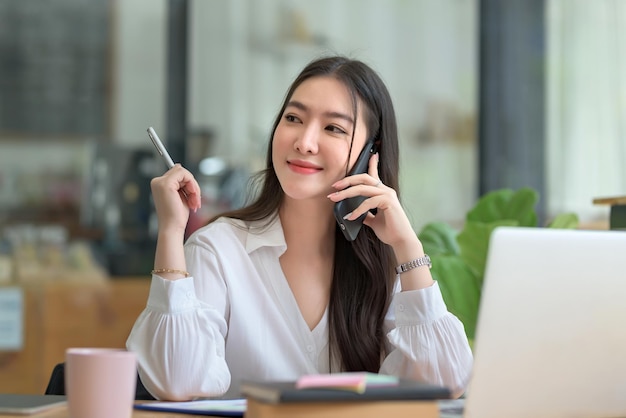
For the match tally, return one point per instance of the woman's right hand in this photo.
(174, 194)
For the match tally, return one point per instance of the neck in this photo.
(309, 226)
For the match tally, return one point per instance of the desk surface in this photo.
(618, 200)
(450, 409)
(62, 412)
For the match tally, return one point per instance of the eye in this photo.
(292, 119)
(335, 129)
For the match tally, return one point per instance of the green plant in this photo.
(459, 258)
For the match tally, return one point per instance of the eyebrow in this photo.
(303, 107)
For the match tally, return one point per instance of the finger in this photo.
(368, 219)
(373, 166)
(186, 185)
(366, 190)
(192, 194)
(364, 207)
(356, 180)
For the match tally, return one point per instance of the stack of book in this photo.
(345, 395)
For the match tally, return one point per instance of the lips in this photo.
(303, 167)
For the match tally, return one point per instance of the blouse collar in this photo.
(264, 234)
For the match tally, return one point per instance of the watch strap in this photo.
(418, 262)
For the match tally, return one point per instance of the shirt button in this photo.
(309, 348)
(401, 307)
(189, 294)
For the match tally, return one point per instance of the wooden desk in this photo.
(62, 412)
(62, 314)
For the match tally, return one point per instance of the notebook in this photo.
(212, 407)
(345, 395)
(551, 332)
(290, 392)
(18, 404)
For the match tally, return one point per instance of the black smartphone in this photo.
(351, 229)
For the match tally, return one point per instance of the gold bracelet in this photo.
(159, 271)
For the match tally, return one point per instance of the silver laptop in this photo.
(551, 332)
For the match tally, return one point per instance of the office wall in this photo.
(244, 53)
(138, 69)
(137, 96)
(585, 105)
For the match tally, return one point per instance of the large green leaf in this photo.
(439, 238)
(474, 244)
(521, 207)
(565, 221)
(506, 204)
(489, 206)
(459, 289)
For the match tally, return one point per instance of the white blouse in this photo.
(236, 318)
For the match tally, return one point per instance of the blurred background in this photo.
(489, 94)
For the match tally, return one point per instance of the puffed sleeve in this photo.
(428, 343)
(179, 337)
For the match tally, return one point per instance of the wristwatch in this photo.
(418, 262)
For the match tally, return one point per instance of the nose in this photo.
(307, 141)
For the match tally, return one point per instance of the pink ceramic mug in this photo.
(100, 382)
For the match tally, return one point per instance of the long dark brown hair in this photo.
(363, 271)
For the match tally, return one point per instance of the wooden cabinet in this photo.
(58, 315)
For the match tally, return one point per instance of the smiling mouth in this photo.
(303, 168)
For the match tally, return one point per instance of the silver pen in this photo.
(160, 147)
(162, 152)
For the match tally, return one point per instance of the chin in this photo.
(301, 193)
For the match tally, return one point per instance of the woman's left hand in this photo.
(390, 223)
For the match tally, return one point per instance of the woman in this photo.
(274, 290)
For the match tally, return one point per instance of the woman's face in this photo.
(312, 140)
